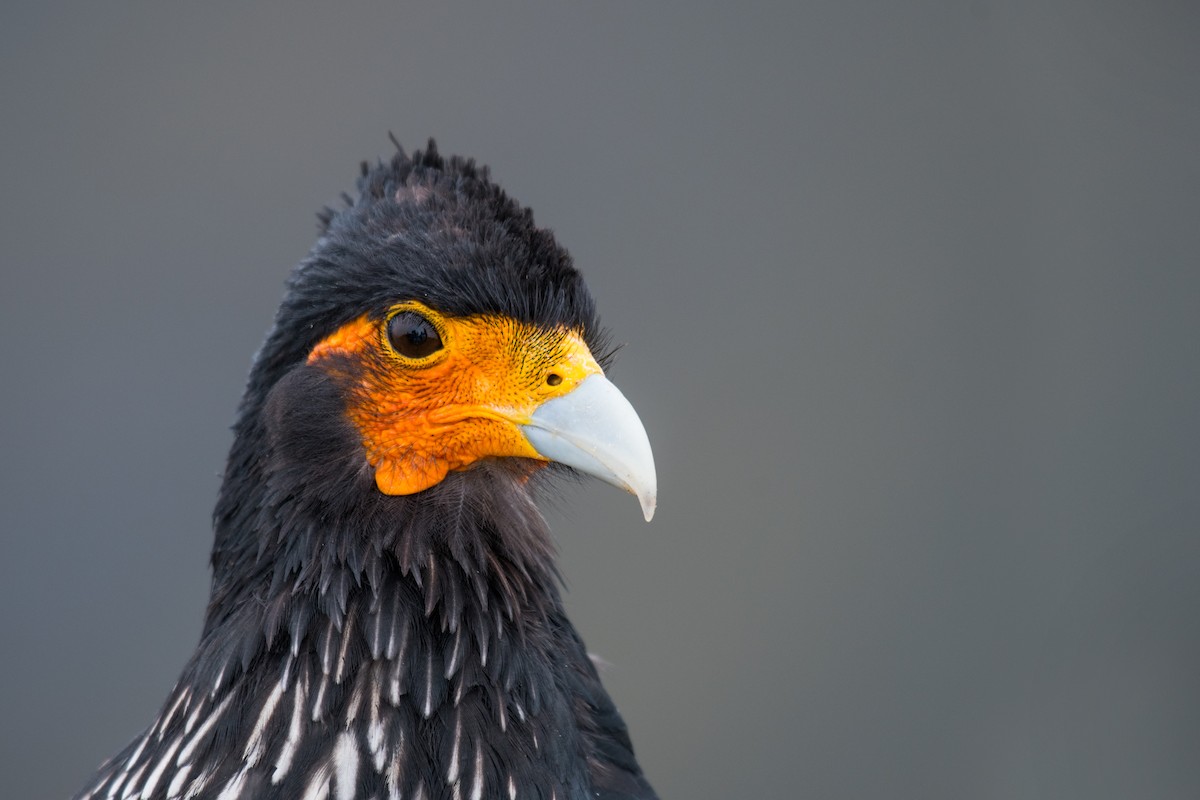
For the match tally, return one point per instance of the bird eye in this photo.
(413, 336)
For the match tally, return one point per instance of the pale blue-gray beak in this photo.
(594, 429)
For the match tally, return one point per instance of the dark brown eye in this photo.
(413, 336)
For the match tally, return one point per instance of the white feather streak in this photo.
(377, 636)
(318, 785)
(185, 755)
(234, 787)
(347, 633)
(327, 650)
(176, 784)
(284, 762)
(199, 784)
(166, 718)
(254, 744)
(395, 771)
(131, 786)
(317, 701)
(427, 709)
(453, 665)
(192, 718)
(345, 763)
(477, 787)
(157, 774)
(391, 646)
(375, 734)
(452, 773)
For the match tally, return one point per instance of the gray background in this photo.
(911, 294)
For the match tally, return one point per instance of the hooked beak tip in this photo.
(649, 503)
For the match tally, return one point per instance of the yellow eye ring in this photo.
(414, 333)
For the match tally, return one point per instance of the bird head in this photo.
(433, 329)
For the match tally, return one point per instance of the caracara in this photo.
(385, 619)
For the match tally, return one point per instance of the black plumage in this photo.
(365, 645)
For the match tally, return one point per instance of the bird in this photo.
(386, 617)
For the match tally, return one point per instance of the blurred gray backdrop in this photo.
(911, 294)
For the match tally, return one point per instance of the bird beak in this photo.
(594, 429)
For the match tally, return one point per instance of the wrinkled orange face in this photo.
(431, 393)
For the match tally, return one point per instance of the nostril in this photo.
(553, 379)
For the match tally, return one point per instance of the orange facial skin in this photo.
(422, 417)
